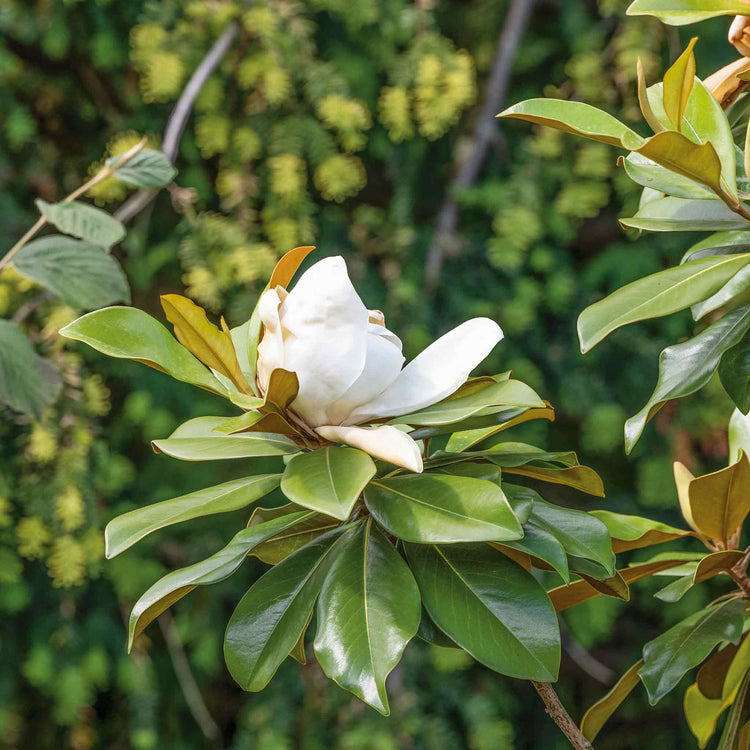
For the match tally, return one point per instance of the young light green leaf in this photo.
(671, 214)
(734, 372)
(649, 174)
(681, 12)
(678, 83)
(576, 118)
(148, 169)
(685, 368)
(177, 584)
(328, 480)
(508, 393)
(511, 628)
(368, 610)
(81, 274)
(28, 383)
(124, 531)
(217, 447)
(129, 333)
(442, 508)
(718, 243)
(657, 295)
(268, 621)
(83, 221)
(684, 646)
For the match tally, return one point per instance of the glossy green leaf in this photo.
(680, 12)
(271, 616)
(669, 656)
(511, 627)
(368, 610)
(734, 288)
(634, 532)
(441, 508)
(148, 169)
(581, 534)
(28, 383)
(177, 584)
(195, 441)
(576, 118)
(582, 478)
(129, 333)
(329, 480)
(657, 295)
(671, 214)
(685, 368)
(245, 356)
(81, 274)
(125, 530)
(719, 243)
(431, 633)
(508, 393)
(83, 221)
(466, 438)
(734, 372)
(281, 545)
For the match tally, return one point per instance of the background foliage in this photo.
(341, 125)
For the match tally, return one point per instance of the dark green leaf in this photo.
(177, 584)
(28, 383)
(734, 371)
(685, 368)
(368, 610)
(272, 615)
(510, 627)
(684, 646)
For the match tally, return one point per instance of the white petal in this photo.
(384, 442)
(325, 337)
(438, 371)
(382, 365)
(271, 346)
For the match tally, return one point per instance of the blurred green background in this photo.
(340, 124)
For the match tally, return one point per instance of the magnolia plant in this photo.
(404, 515)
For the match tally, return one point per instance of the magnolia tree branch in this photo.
(560, 716)
(485, 134)
(180, 114)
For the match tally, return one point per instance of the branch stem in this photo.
(560, 716)
(101, 175)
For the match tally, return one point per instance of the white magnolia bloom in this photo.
(350, 366)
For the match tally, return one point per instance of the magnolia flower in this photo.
(350, 366)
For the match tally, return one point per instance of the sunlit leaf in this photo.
(329, 480)
(148, 169)
(670, 214)
(129, 333)
(634, 532)
(678, 83)
(680, 12)
(657, 295)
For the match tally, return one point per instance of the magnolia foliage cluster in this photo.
(694, 172)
